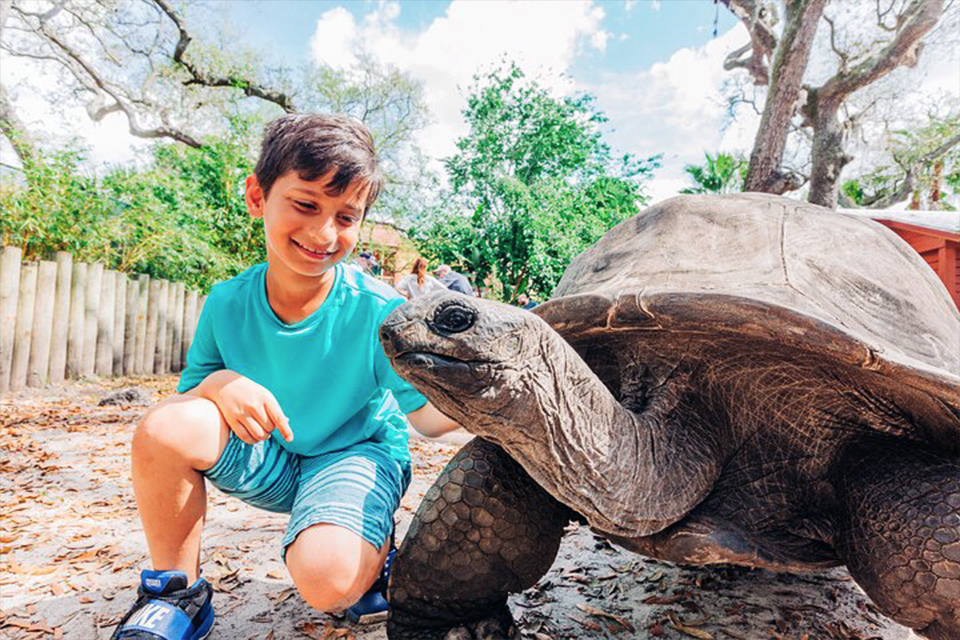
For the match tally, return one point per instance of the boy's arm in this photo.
(430, 422)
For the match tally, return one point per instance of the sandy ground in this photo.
(71, 548)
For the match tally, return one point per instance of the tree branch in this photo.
(942, 149)
(759, 24)
(919, 18)
(198, 77)
(14, 131)
(133, 124)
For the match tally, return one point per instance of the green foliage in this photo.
(533, 184)
(182, 219)
(722, 173)
(926, 159)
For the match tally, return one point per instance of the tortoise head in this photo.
(473, 358)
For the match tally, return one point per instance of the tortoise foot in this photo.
(498, 625)
(487, 629)
(901, 541)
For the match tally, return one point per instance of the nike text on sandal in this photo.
(167, 609)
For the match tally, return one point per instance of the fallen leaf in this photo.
(594, 611)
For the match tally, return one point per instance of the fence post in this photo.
(130, 325)
(24, 330)
(108, 291)
(39, 363)
(143, 296)
(153, 317)
(168, 331)
(9, 293)
(119, 321)
(189, 325)
(61, 318)
(91, 315)
(176, 352)
(160, 361)
(78, 289)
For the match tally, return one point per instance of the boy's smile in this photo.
(309, 228)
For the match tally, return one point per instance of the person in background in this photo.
(369, 263)
(418, 282)
(453, 280)
(524, 302)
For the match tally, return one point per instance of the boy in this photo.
(287, 400)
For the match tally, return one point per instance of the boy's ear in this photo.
(253, 194)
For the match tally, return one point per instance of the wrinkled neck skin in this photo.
(557, 419)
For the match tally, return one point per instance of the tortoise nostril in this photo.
(454, 318)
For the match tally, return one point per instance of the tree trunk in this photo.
(793, 52)
(10, 125)
(827, 154)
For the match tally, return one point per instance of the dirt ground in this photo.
(71, 548)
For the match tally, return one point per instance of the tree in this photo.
(532, 185)
(723, 173)
(141, 58)
(781, 61)
(924, 160)
(137, 58)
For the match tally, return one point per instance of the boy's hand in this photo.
(430, 422)
(249, 409)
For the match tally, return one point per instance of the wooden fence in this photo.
(64, 319)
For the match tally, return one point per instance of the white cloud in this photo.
(544, 38)
(676, 108)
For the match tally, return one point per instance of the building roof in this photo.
(948, 221)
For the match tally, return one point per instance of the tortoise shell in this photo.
(775, 269)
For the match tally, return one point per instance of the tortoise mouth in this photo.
(448, 371)
(429, 360)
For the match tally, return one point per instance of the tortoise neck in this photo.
(629, 474)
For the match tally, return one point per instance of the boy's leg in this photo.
(174, 441)
(333, 567)
(341, 523)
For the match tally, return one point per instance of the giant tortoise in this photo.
(720, 379)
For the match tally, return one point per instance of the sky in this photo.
(655, 67)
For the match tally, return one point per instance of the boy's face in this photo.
(308, 228)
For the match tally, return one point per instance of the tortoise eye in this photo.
(454, 318)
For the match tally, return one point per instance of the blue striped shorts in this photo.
(358, 488)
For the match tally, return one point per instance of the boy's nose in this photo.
(324, 233)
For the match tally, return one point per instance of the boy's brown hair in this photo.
(313, 144)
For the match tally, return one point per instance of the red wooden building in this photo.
(934, 234)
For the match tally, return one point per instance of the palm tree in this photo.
(723, 173)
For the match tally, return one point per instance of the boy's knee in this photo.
(182, 425)
(329, 581)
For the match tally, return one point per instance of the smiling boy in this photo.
(287, 400)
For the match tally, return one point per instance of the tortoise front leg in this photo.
(901, 536)
(483, 530)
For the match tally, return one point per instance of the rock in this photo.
(134, 396)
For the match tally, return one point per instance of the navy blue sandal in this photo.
(167, 609)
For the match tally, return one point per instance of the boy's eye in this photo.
(305, 205)
(348, 219)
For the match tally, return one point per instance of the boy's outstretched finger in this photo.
(279, 419)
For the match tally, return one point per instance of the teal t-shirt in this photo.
(328, 372)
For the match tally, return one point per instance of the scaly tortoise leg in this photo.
(483, 530)
(901, 536)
